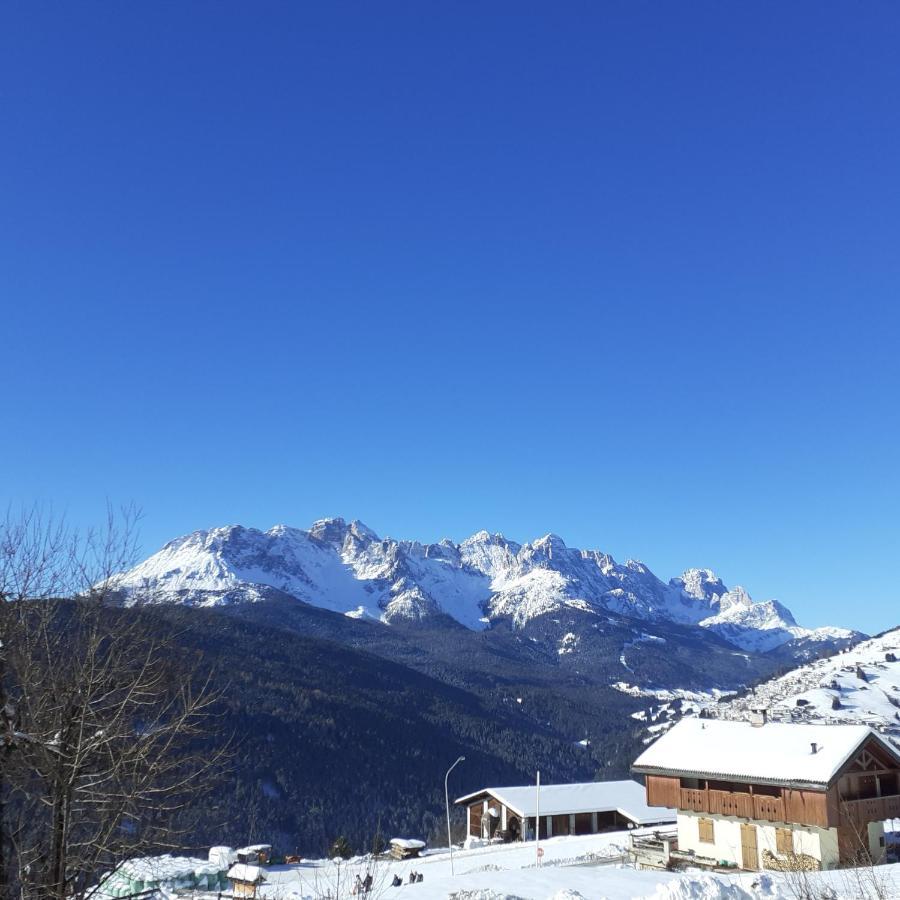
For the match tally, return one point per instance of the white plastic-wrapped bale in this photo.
(165, 872)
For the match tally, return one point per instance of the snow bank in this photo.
(706, 887)
(485, 894)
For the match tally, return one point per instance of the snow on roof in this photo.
(244, 872)
(776, 752)
(408, 844)
(626, 797)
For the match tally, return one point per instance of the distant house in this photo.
(774, 796)
(255, 854)
(245, 879)
(509, 812)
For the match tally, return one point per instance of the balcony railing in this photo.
(871, 810)
(734, 803)
(770, 808)
(693, 799)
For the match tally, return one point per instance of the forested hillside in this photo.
(341, 725)
(334, 740)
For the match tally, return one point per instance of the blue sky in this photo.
(623, 271)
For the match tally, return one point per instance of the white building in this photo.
(510, 812)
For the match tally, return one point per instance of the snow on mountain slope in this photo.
(347, 568)
(860, 685)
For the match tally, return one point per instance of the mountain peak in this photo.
(329, 530)
(701, 584)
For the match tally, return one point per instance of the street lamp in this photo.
(447, 800)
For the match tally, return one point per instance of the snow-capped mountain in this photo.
(347, 568)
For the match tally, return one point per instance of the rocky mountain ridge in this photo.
(347, 568)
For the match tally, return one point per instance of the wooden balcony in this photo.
(694, 800)
(769, 808)
(734, 803)
(872, 810)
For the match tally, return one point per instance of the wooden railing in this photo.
(871, 810)
(731, 803)
(734, 803)
(693, 799)
(769, 808)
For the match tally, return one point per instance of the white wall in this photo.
(876, 837)
(819, 843)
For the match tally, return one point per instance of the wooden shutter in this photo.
(784, 840)
(707, 833)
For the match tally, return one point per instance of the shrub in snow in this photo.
(341, 848)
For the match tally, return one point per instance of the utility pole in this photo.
(537, 821)
(447, 801)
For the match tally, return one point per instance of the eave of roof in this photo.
(729, 776)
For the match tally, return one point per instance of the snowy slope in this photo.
(573, 868)
(860, 685)
(347, 568)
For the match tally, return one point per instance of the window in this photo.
(784, 840)
(707, 835)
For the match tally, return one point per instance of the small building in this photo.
(255, 854)
(245, 879)
(774, 795)
(406, 848)
(509, 813)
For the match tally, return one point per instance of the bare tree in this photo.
(102, 733)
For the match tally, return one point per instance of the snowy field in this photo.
(572, 867)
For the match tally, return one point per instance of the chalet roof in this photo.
(626, 797)
(778, 752)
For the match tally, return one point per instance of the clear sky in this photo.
(627, 272)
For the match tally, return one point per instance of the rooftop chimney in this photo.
(815, 748)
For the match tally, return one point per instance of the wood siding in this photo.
(787, 805)
(663, 791)
(475, 816)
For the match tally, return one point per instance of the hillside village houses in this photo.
(778, 796)
(509, 813)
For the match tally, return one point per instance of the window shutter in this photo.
(784, 840)
(706, 831)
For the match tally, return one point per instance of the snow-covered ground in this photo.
(572, 867)
(860, 686)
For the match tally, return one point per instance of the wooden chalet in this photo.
(774, 795)
(509, 813)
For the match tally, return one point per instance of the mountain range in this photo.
(487, 579)
(354, 668)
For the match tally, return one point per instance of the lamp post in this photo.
(447, 800)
